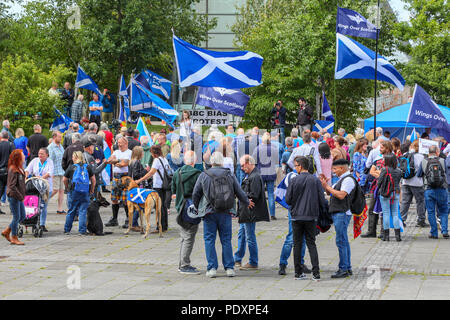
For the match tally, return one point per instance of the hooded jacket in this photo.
(189, 175)
(253, 186)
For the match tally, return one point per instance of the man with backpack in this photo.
(346, 199)
(433, 170)
(308, 151)
(183, 183)
(219, 187)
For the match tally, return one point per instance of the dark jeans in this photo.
(164, 217)
(96, 119)
(3, 182)
(18, 211)
(307, 230)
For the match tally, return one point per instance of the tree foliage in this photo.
(426, 40)
(298, 43)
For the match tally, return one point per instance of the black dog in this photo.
(94, 221)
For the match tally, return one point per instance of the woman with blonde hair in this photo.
(21, 142)
(175, 157)
(228, 154)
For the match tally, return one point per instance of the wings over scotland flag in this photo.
(354, 24)
(86, 82)
(226, 100)
(355, 61)
(206, 68)
(425, 111)
(158, 84)
(326, 111)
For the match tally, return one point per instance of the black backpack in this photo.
(386, 185)
(356, 198)
(406, 165)
(166, 178)
(221, 194)
(435, 174)
(312, 164)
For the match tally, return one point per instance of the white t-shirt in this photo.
(157, 182)
(125, 155)
(38, 169)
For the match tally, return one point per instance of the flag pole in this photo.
(376, 64)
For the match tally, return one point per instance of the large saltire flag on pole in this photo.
(124, 113)
(328, 126)
(158, 84)
(144, 101)
(86, 82)
(142, 128)
(206, 68)
(355, 61)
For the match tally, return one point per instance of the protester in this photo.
(186, 125)
(136, 171)
(21, 142)
(75, 146)
(396, 147)
(228, 154)
(389, 184)
(175, 157)
(42, 167)
(68, 95)
(145, 144)
(279, 118)
(35, 142)
(286, 154)
(108, 106)
(56, 153)
(359, 162)
(53, 91)
(7, 128)
(172, 136)
(95, 109)
(75, 181)
(267, 161)
(341, 214)
(131, 141)
(183, 183)
(96, 166)
(229, 130)
(305, 116)
(305, 150)
(306, 197)
(326, 161)
(109, 137)
(253, 186)
(16, 194)
(6, 148)
(218, 218)
(77, 109)
(433, 170)
(92, 132)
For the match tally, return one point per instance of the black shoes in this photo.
(1, 212)
(104, 190)
(422, 224)
(397, 235)
(273, 218)
(340, 274)
(282, 270)
(44, 229)
(112, 223)
(305, 269)
(432, 237)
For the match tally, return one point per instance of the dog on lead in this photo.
(152, 201)
(94, 223)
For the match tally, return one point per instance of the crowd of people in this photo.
(229, 175)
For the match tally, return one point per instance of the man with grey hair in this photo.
(219, 187)
(68, 152)
(435, 181)
(75, 128)
(183, 183)
(379, 133)
(305, 150)
(77, 109)
(36, 141)
(7, 128)
(92, 131)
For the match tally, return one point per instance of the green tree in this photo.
(425, 38)
(24, 92)
(298, 43)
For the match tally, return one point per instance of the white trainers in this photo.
(211, 273)
(230, 273)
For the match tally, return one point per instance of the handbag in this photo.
(187, 203)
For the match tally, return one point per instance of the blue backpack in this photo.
(80, 179)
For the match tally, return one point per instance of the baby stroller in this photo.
(36, 193)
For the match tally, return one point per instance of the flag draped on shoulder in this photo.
(326, 111)
(106, 173)
(206, 68)
(354, 24)
(86, 82)
(355, 61)
(280, 192)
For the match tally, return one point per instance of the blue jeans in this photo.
(213, 223)
(341, 221)
(270, 196)
(79, 204)
(437, 198)
(390, 209)
(287, 246)
(246, 235)
(18, 211)
(4, 196)
(239, 174)
(44, 205)
(135, 218)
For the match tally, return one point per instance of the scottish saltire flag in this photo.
(426, 112)
(144, 101)
(413, 135)
(124, 114)
(61, 122)
(138, 195)
(142, 128)
(206, 68)
(328, 126)
(158, 84)
(280, 191)
(86, 82)
(326, 111)
(355, 61)
(226, 100)
(354, 24)
(106, 173)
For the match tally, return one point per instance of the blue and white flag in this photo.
(206, 68)
(142, 128)
(328, 126)
(280, 191)
(226, 100)
(61, 122)
(86, 82)
(326, 111)
(106, 173)
(413, 135)
(158, 84)
(354, 24)
(355, 61)
(144, 101)
(426, 112)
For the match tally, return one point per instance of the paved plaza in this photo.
(120, 266)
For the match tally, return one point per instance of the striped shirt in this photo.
(56, 153)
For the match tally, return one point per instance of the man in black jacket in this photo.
(306, 197)
(305, 114)
(253, 186)
(279, 119)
